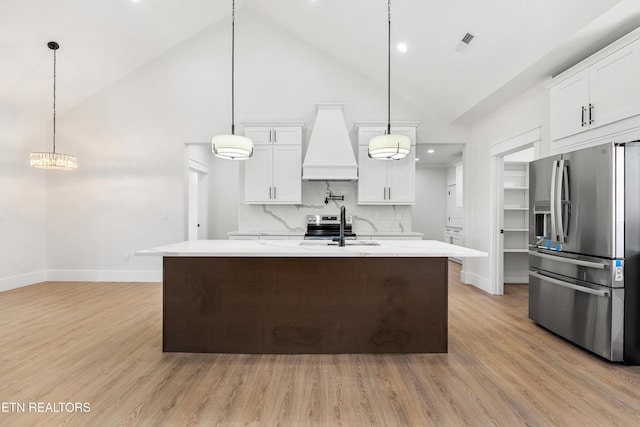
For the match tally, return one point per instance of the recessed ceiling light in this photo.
(417, 159)
(402, 47)
(431, 151)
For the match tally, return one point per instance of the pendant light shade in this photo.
(53, 160)
(389, 146)
(232, 147)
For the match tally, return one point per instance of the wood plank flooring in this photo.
(101, 343)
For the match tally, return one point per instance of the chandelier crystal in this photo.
(52, 160)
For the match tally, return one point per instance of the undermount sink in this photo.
(332, 243)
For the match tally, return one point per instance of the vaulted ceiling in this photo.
(517, 43)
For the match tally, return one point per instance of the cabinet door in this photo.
(615, 86)
(287, 135)
(568, 98)
(372, 179)
(259, 134)
(258, 175)
(287, 174)
(401, 178)
(366, 133)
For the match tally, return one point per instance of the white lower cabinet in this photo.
(453, 235)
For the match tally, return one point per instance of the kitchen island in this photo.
(226, 296)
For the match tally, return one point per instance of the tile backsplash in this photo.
(292, 217)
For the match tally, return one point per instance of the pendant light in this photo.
(53, 160)
(389, 146)
(232, 147)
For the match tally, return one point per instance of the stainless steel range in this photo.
(328, 227)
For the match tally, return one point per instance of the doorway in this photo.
(509, 199)
(196, 192)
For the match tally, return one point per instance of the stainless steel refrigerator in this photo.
(584, 248)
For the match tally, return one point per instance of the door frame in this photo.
(497, 152)
(192, 164)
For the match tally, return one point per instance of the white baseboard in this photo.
(104, 275)
(476, 280)
(21, 280)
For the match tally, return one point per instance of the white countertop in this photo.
(310, 248)
(301, 233)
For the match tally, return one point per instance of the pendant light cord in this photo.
(389, 73)
(54, 100)
(233, 25)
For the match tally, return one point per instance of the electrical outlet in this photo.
(126, 257)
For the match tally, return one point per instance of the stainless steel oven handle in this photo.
(600, 265)
(569, 285)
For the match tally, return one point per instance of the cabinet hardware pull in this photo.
(582, 119)
(590, 114)
(275, 136)
(269, 193)
(389, 193)
(274, 193)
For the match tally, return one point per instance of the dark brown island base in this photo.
(288, 296)
(225, 304)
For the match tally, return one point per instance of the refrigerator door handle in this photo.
(566, 213)
(599, 265)
(569, 285)
(558, 202)
(554, 174)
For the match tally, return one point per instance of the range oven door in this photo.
(589, 315)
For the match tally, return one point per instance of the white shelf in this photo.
(515, 209)
(515, 229)
(516, 251)
(516, 188)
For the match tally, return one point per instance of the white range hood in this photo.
(329, 154)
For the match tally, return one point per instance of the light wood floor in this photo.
(101, 343)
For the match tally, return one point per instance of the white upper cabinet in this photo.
(569, 101)
(615, 86)
(258, 172)
(600, 91)
(385, 182)
(274, 174)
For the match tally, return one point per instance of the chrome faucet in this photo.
(343, 220)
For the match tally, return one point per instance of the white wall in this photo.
(128, 193)
(225, 194)
(22, 200)
(429, 214)
(523, 114)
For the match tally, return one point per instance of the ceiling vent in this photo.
(463, 45)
